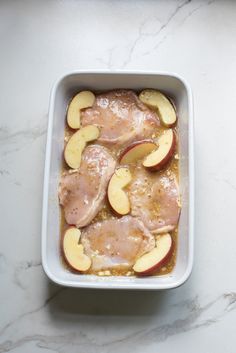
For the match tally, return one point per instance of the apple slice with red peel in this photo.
(74, 252)
(77, 143)
(157, 100)
(158, 158)
(117, 197)
(82, 100)
(136, 151)
(157, 257)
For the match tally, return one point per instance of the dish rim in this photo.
(112, 285)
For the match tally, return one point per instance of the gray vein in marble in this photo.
(4, 172)
(43, 341)
(142, 34)
(23, 267)
(192, 321)
(135, 43)
(189, 14)
(14, 141)
(231, 297)
(108, 62)
(225, 181)
(195, 10)
(164, 26)
(189, 323)
(32, 133)
(231, 185)
(3, 263)
(26, 314)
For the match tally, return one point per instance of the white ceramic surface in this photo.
(62, 92)
(42, 40)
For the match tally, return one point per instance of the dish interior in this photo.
(62, 94)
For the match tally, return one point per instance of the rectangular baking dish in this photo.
(175, 87)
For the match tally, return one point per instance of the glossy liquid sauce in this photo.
(171, 170)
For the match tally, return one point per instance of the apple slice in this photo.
(117, 197)
(77, 143)
(156, 100)
(157, 257)
(137, 150)
(158, 158)
(74, 252)
(82, 100)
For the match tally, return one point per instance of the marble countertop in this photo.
(40, 41)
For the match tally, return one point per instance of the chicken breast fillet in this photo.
(82, 193)
(121, 117)
(155, 200)
(115, 244)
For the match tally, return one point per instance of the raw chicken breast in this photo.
(155, 200)
(115, 244)
(121, 117)
(82, 193)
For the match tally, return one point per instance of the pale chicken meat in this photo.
(116, 244)
(82, 193)
(155, 200)
(150, 200)
(121, 117)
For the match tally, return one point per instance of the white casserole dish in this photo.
(63, 90)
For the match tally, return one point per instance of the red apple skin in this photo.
(161, 263)
(167, 158)
(174, 106)
(132, 145)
